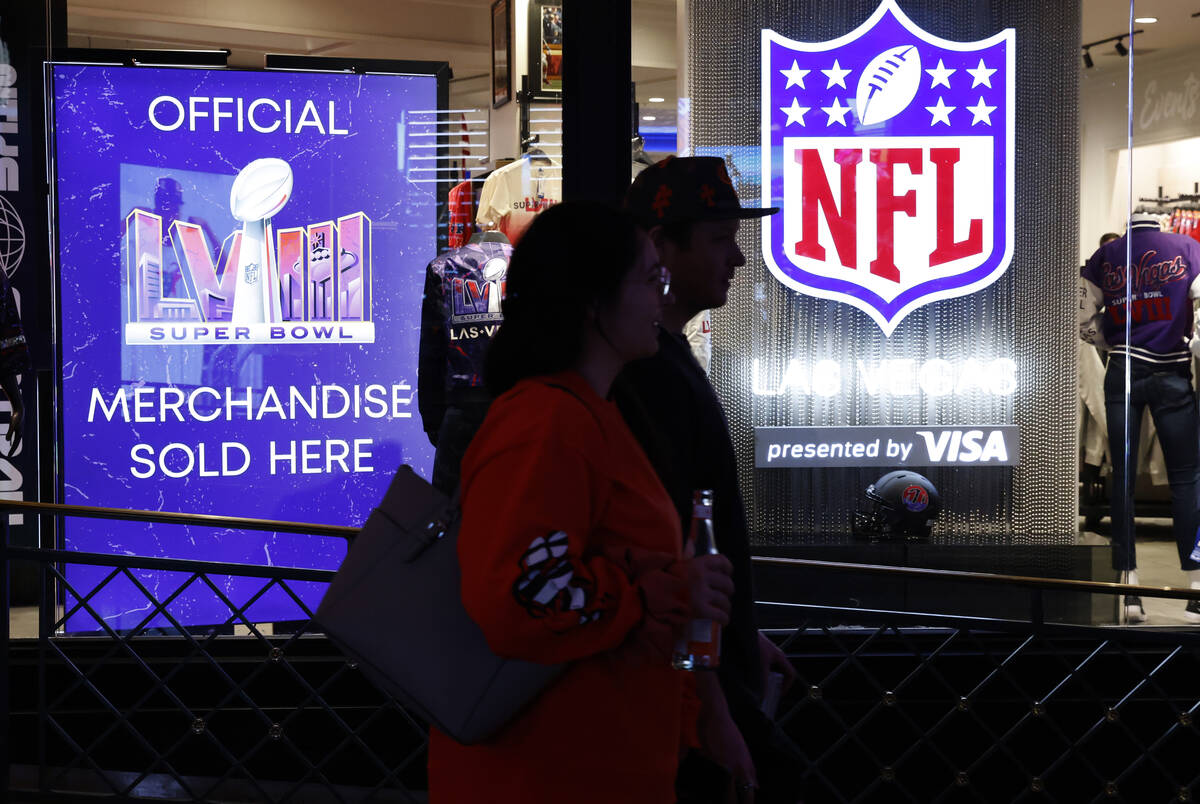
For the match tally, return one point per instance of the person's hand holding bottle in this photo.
(710, 586)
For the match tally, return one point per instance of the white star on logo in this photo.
(795, 113)
(982, 112)
(795, 75)
(941, 112)
(982, 75)
(836, 76)
(941, 75)
(836, 112)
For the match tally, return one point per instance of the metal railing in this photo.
(889, 706)
(1036, 586)
(195, 714)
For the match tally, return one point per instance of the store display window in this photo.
(929, 357)
(900, 359)
(1138, 372)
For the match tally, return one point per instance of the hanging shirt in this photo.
(513, 195)
(698, 332)
(461, 201)
(460, 315)
(1165, 270)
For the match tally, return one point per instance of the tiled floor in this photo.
(1158, 565)
(23, 624)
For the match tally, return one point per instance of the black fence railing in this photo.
(920, 708)
(889, 706)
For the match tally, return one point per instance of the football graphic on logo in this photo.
(260, 189)
(889, 84)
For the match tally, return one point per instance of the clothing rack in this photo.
(1179, 213)
(525, 101)
(539, 161)
(1185, 198)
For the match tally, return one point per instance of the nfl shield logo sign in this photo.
(890, 151)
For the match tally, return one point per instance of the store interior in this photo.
(1159, 175)
(397, 29)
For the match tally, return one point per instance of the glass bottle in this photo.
(699, 648)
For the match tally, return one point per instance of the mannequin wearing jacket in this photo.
(1143, 312)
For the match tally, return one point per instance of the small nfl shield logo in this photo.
(915, 498)
(251, 273)
(890, 152)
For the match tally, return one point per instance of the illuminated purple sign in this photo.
(890, 151)
(241, 266)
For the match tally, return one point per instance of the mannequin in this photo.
(460, 314)
(1165, 277)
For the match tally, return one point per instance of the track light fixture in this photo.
(1118, 44)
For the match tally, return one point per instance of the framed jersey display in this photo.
(545, 49)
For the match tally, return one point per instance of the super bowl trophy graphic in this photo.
(259, 192)
(494, 271)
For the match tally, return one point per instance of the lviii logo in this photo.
(890, 152)
(323, 283)
(478, 298)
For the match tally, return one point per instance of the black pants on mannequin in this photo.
(459, 426)
(1166, 390)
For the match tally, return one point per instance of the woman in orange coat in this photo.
(570, 548)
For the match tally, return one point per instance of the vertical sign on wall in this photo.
(241, 269)
(23, 257)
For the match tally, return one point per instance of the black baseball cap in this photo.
(687, 188)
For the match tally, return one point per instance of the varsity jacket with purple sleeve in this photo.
(1143, 283)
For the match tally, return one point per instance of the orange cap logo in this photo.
(662, 200)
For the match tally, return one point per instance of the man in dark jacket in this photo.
(690, 210)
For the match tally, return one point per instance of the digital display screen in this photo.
(241, 262)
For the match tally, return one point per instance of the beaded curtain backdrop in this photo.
(769, 338)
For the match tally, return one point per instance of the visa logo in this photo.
(965, 446)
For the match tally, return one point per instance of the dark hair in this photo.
(573, 256)
(679, 233)
(1105, 238)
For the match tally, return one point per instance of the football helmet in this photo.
(901, 506)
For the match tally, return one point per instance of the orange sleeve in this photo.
(530, 579)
